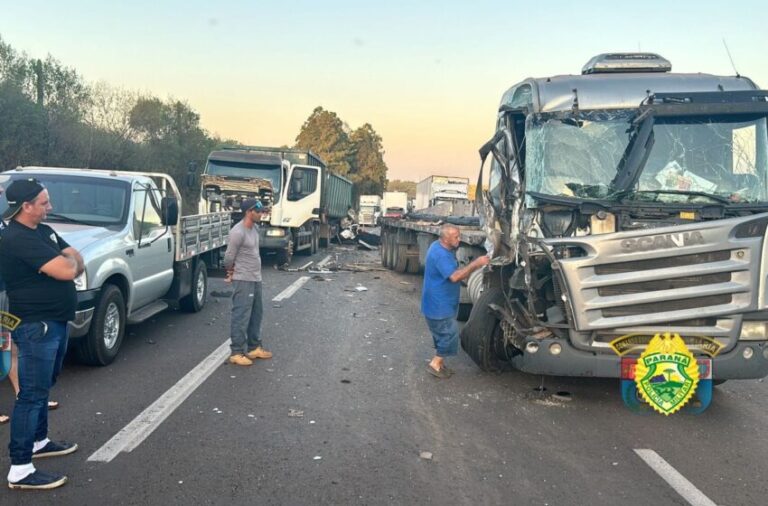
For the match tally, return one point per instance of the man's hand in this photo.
(75, 255)
(464, 272)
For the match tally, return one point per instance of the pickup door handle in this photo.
(129, 252)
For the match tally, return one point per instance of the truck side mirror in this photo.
(169, 211)
(190, 180)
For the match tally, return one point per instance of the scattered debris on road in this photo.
(426, 455)
(295, 413)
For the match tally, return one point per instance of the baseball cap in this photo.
(20, 191)
(248, 204)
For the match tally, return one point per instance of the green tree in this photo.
(323, 132)
(369, 171)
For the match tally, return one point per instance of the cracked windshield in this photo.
(695, 160)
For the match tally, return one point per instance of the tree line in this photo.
(50, 116)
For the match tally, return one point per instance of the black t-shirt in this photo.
(34, 296)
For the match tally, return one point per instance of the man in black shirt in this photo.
(38, 268)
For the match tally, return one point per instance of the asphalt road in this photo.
(344, 411)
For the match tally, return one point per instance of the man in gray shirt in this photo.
(243, 265)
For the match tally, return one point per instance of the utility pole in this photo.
(38, 68)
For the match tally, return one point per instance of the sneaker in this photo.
(55, 449)
(39, 480)
(259, 353)
(240, 359)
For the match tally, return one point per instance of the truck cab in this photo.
(627, 200)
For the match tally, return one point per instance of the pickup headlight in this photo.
(754, 331)
(81, 282)
(275, 232)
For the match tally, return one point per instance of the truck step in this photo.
(147, 311)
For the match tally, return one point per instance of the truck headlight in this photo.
(754, 331)
(81, 282)
(275, 232)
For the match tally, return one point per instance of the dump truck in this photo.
(307, 201)
(627, 200)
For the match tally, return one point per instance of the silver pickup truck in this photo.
(140, 256)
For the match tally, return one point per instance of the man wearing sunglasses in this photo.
(38, 268)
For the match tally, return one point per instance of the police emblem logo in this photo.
(666, 373)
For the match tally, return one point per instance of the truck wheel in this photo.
(390, 246)
(383, 247)
(195, 301)
(401, 257)
(285, 255)
(481, 337)
(101, 344)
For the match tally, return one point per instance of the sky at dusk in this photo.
(428, 76)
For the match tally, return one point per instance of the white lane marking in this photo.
(677, 481)
(293, 288)
(133, 434)
(322, 262)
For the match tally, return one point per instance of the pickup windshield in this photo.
(271, 173)
(690, 159)
(77, 199)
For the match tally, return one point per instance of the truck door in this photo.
(302, 196)
(151, 254)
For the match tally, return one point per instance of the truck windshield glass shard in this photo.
(86, 200)
(243, 170)
(303, 183)
(689, 159)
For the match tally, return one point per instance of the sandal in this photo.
(53, 405)
(4, 419)
(442, 373)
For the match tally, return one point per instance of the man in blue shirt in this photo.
(440, 295)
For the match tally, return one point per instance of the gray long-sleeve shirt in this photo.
(243, 252)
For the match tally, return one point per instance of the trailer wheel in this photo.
(197, 297)
(383, 247)
(481, 337)
(391, 238)
(401, 257)
(101, 344)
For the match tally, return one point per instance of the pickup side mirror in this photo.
(190, 180)
(169, 209)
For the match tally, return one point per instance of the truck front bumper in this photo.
(272, 242)
(86, 306)
(571, 361)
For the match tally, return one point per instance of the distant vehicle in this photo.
(307, 201)
(140, 256)
(395, 204)
(436, 189)
(369, 209)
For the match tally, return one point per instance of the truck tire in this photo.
(390, 246)
(401, 258)
(285, 255)
(383, 248)
(315, 239)
(101, 344)
(198, 295)
(481, 337)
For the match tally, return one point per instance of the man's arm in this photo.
(63, 268)
(233, 246)
(464, 272)
(73, 253)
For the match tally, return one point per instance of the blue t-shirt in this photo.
(439, 296)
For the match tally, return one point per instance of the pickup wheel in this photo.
(101, 344)
(198, 295)
(481, 337)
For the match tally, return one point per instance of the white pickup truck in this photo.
(140, 256)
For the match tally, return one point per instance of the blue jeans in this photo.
(445, 334)
(41, 346)
(247, 311)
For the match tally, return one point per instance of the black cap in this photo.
(248, 204)
(20, 191)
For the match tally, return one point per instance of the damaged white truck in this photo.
(628, 200)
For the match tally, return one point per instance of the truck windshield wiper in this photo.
(717, 198)
(67, 219)
(636, 154)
